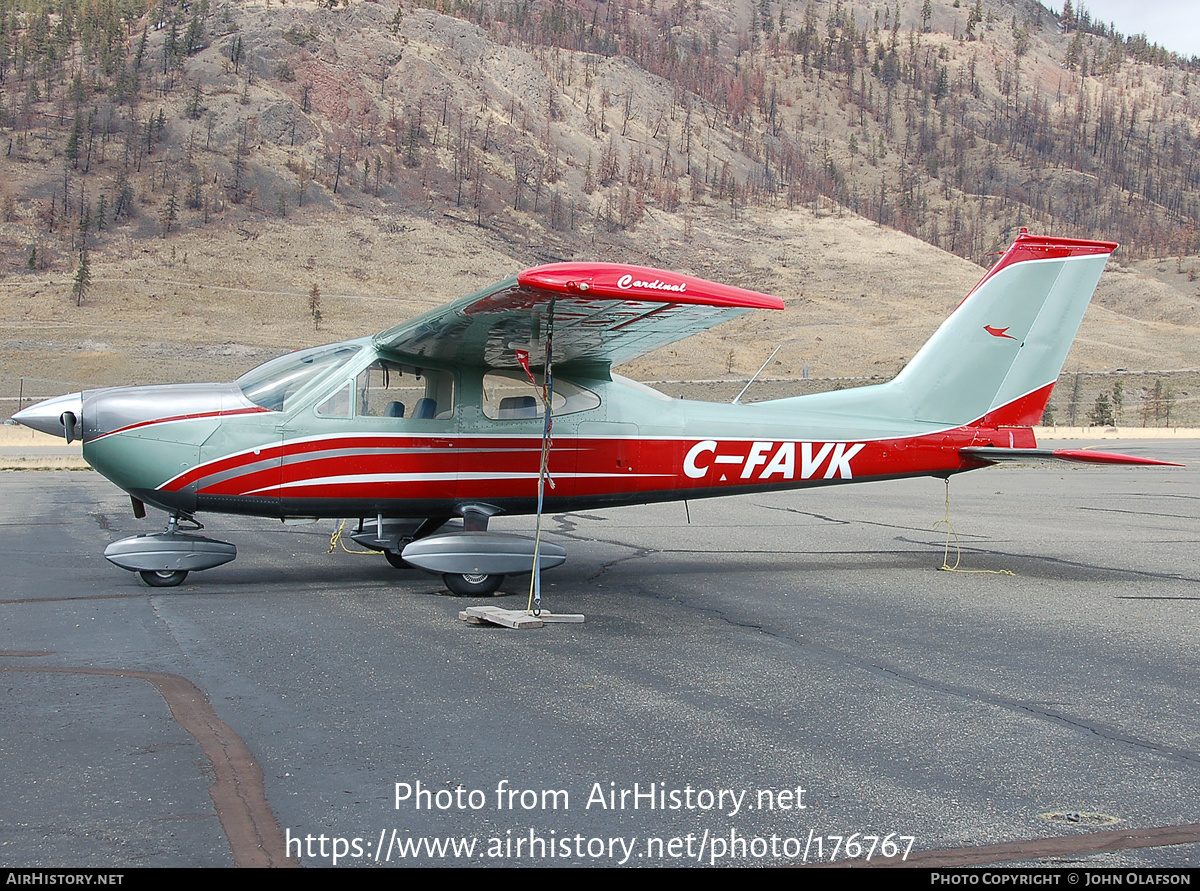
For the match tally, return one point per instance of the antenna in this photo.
(756, 374)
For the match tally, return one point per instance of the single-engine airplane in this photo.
(443, 417)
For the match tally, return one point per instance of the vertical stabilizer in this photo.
(997, 356)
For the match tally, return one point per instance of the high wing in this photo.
(601, 312)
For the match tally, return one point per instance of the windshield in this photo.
(273, 384)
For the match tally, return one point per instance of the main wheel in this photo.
(164, 579)
(472, 585)
(396, 560)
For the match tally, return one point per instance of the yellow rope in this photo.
(336, 539)
(946, 567)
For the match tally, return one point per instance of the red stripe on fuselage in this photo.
(584, 468)
(203, 414)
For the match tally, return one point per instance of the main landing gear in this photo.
(472, 561)
(407, 545)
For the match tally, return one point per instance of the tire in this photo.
(167, 579)
(396, 560)
(472, 585)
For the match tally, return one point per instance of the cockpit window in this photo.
(273, 384)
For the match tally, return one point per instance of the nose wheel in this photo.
(163, 579)
(164, 559)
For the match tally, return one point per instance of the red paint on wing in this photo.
(618, 281)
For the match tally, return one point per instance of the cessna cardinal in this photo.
(428, 429)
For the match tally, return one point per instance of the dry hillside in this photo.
(208, 164)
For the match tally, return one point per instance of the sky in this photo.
(1174, 24)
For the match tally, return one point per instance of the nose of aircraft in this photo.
(59, 416)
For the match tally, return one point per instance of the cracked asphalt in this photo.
(764, 642)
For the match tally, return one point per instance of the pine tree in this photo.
(170, 212)
(314, 306)
(1068, 16)
(83, 277)
(72, 149)
(1101, 414)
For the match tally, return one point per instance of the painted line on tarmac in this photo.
(69, 599)
(237, 791)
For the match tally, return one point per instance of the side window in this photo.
(337, 405)
(388, 389)
(509, 396)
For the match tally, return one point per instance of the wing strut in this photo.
(534, 605)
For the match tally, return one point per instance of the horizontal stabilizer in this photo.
(993, 455)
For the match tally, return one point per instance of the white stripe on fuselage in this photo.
(375, 478)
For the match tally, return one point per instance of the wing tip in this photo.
(624, 281)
